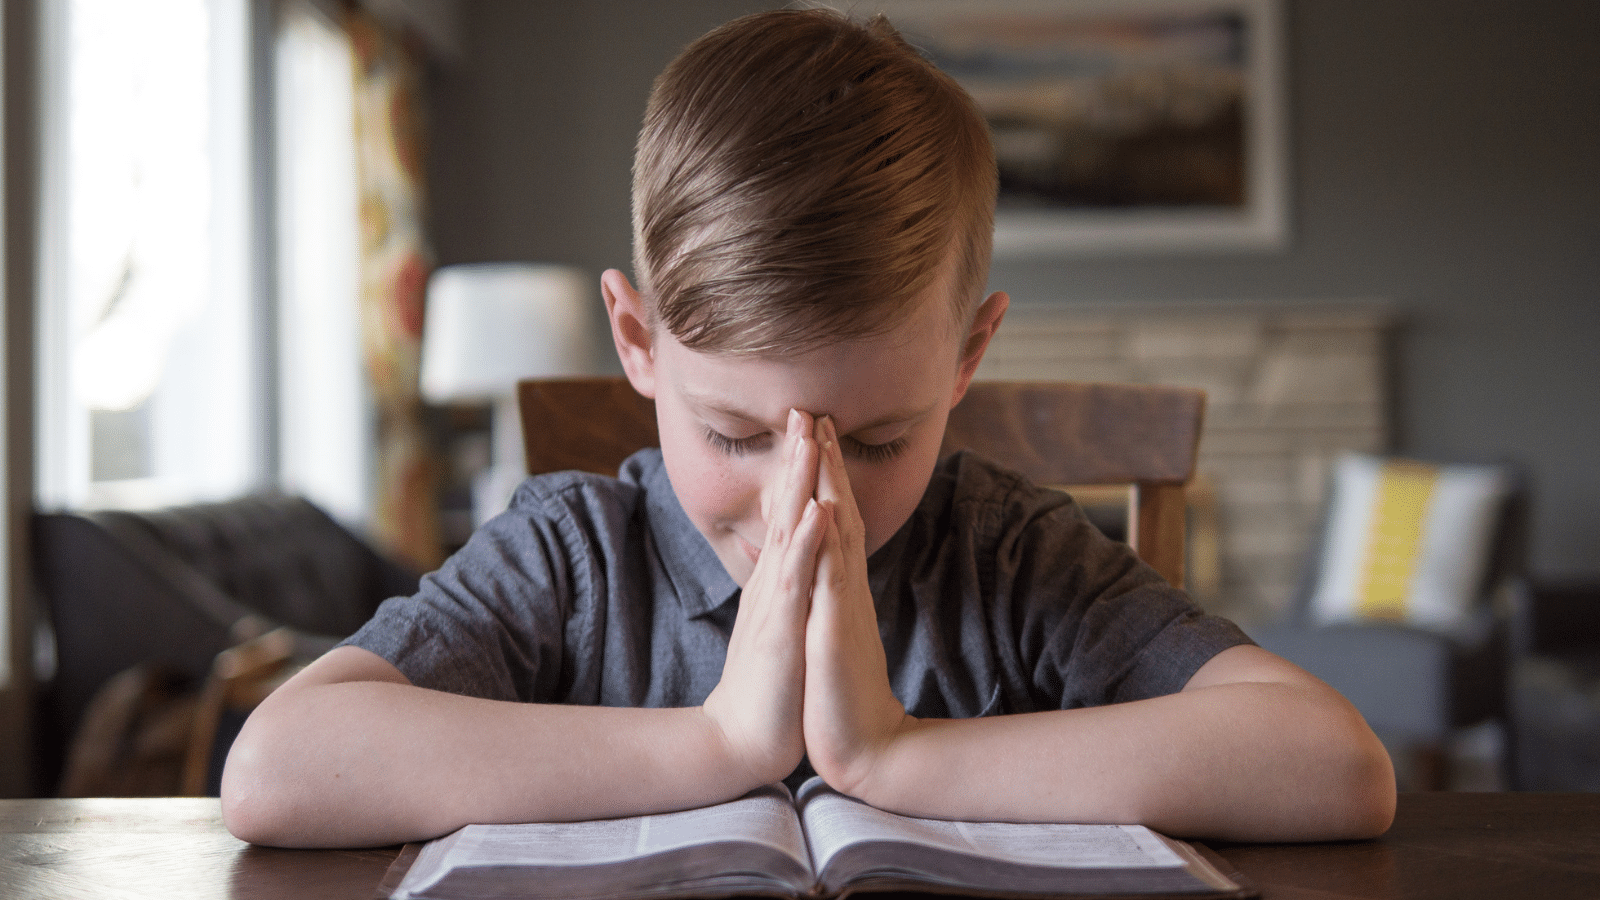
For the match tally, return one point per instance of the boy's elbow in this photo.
(1369, 804)
(1336, 781)
(1362, 800)
(1376, 818)
(250, 805)
(245, 817)
(1377, 812)
(259, 791)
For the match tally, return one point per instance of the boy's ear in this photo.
(984, 325)
(630, 331)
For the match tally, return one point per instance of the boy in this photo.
(795, 576)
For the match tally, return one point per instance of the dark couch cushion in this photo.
(172, 587)
(278, 556)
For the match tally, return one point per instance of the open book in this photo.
(822, 845)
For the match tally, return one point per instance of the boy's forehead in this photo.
(759, 404)
(861, 384)
(898, 375)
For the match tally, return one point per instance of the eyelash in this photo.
(877, 453)
(872, 453)
(728, 446)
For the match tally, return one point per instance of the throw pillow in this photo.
(1407, 541)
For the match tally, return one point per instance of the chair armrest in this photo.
(1557, 618)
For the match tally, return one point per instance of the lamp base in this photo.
(491, 491)
(493, 487)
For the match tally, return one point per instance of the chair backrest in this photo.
(1065, 434)
(122, 588)
(1074, 434)
(587, 424)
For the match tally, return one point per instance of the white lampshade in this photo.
(489, 325)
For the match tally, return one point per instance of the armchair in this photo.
(1404, 604)
(1555, 694)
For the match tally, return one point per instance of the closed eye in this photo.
(875, 453)
(872, 453)
(734, 446)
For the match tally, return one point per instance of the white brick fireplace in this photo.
(1289, 387)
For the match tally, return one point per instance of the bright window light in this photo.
(148, 385)
(325, 427)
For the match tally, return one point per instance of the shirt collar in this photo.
(698, 577)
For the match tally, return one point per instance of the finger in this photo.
(786, 502)
(801, 557)
(832, 572)
(778, 593)
(798, 480)
(833, 484)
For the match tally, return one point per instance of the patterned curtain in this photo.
(395, 263)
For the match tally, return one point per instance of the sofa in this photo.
(165, 591)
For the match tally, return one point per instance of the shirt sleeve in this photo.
(491, 621)
(1098, 625)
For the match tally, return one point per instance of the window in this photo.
(150, 391)
(325, 427)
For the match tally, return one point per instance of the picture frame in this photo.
(1121, 126)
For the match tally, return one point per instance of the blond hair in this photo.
(800, 179)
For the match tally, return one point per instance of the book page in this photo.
(765, 817)
(834, 822)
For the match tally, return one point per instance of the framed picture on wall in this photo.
(1121, 125)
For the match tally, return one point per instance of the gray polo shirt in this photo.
(995, 597)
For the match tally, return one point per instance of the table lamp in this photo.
(490, 325)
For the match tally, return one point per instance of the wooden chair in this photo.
(1420, 684)
(150, 732)
(1143, 438)
(1073, 435)
(241, 677)
(587, 424)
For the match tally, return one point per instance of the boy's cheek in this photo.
(887, 499)
(714, 490)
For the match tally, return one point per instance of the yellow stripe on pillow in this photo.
(1395, 537)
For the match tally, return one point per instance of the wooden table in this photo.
(1456, 846)
(1445, 846)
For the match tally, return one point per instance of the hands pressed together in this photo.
(806, 671)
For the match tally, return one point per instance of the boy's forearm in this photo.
(372, 763)
(1243, 761)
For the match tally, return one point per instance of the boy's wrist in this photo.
(742, 764)
(869, 774)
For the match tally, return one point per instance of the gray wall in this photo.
(1445, 158)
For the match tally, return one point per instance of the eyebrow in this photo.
(892, 418)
